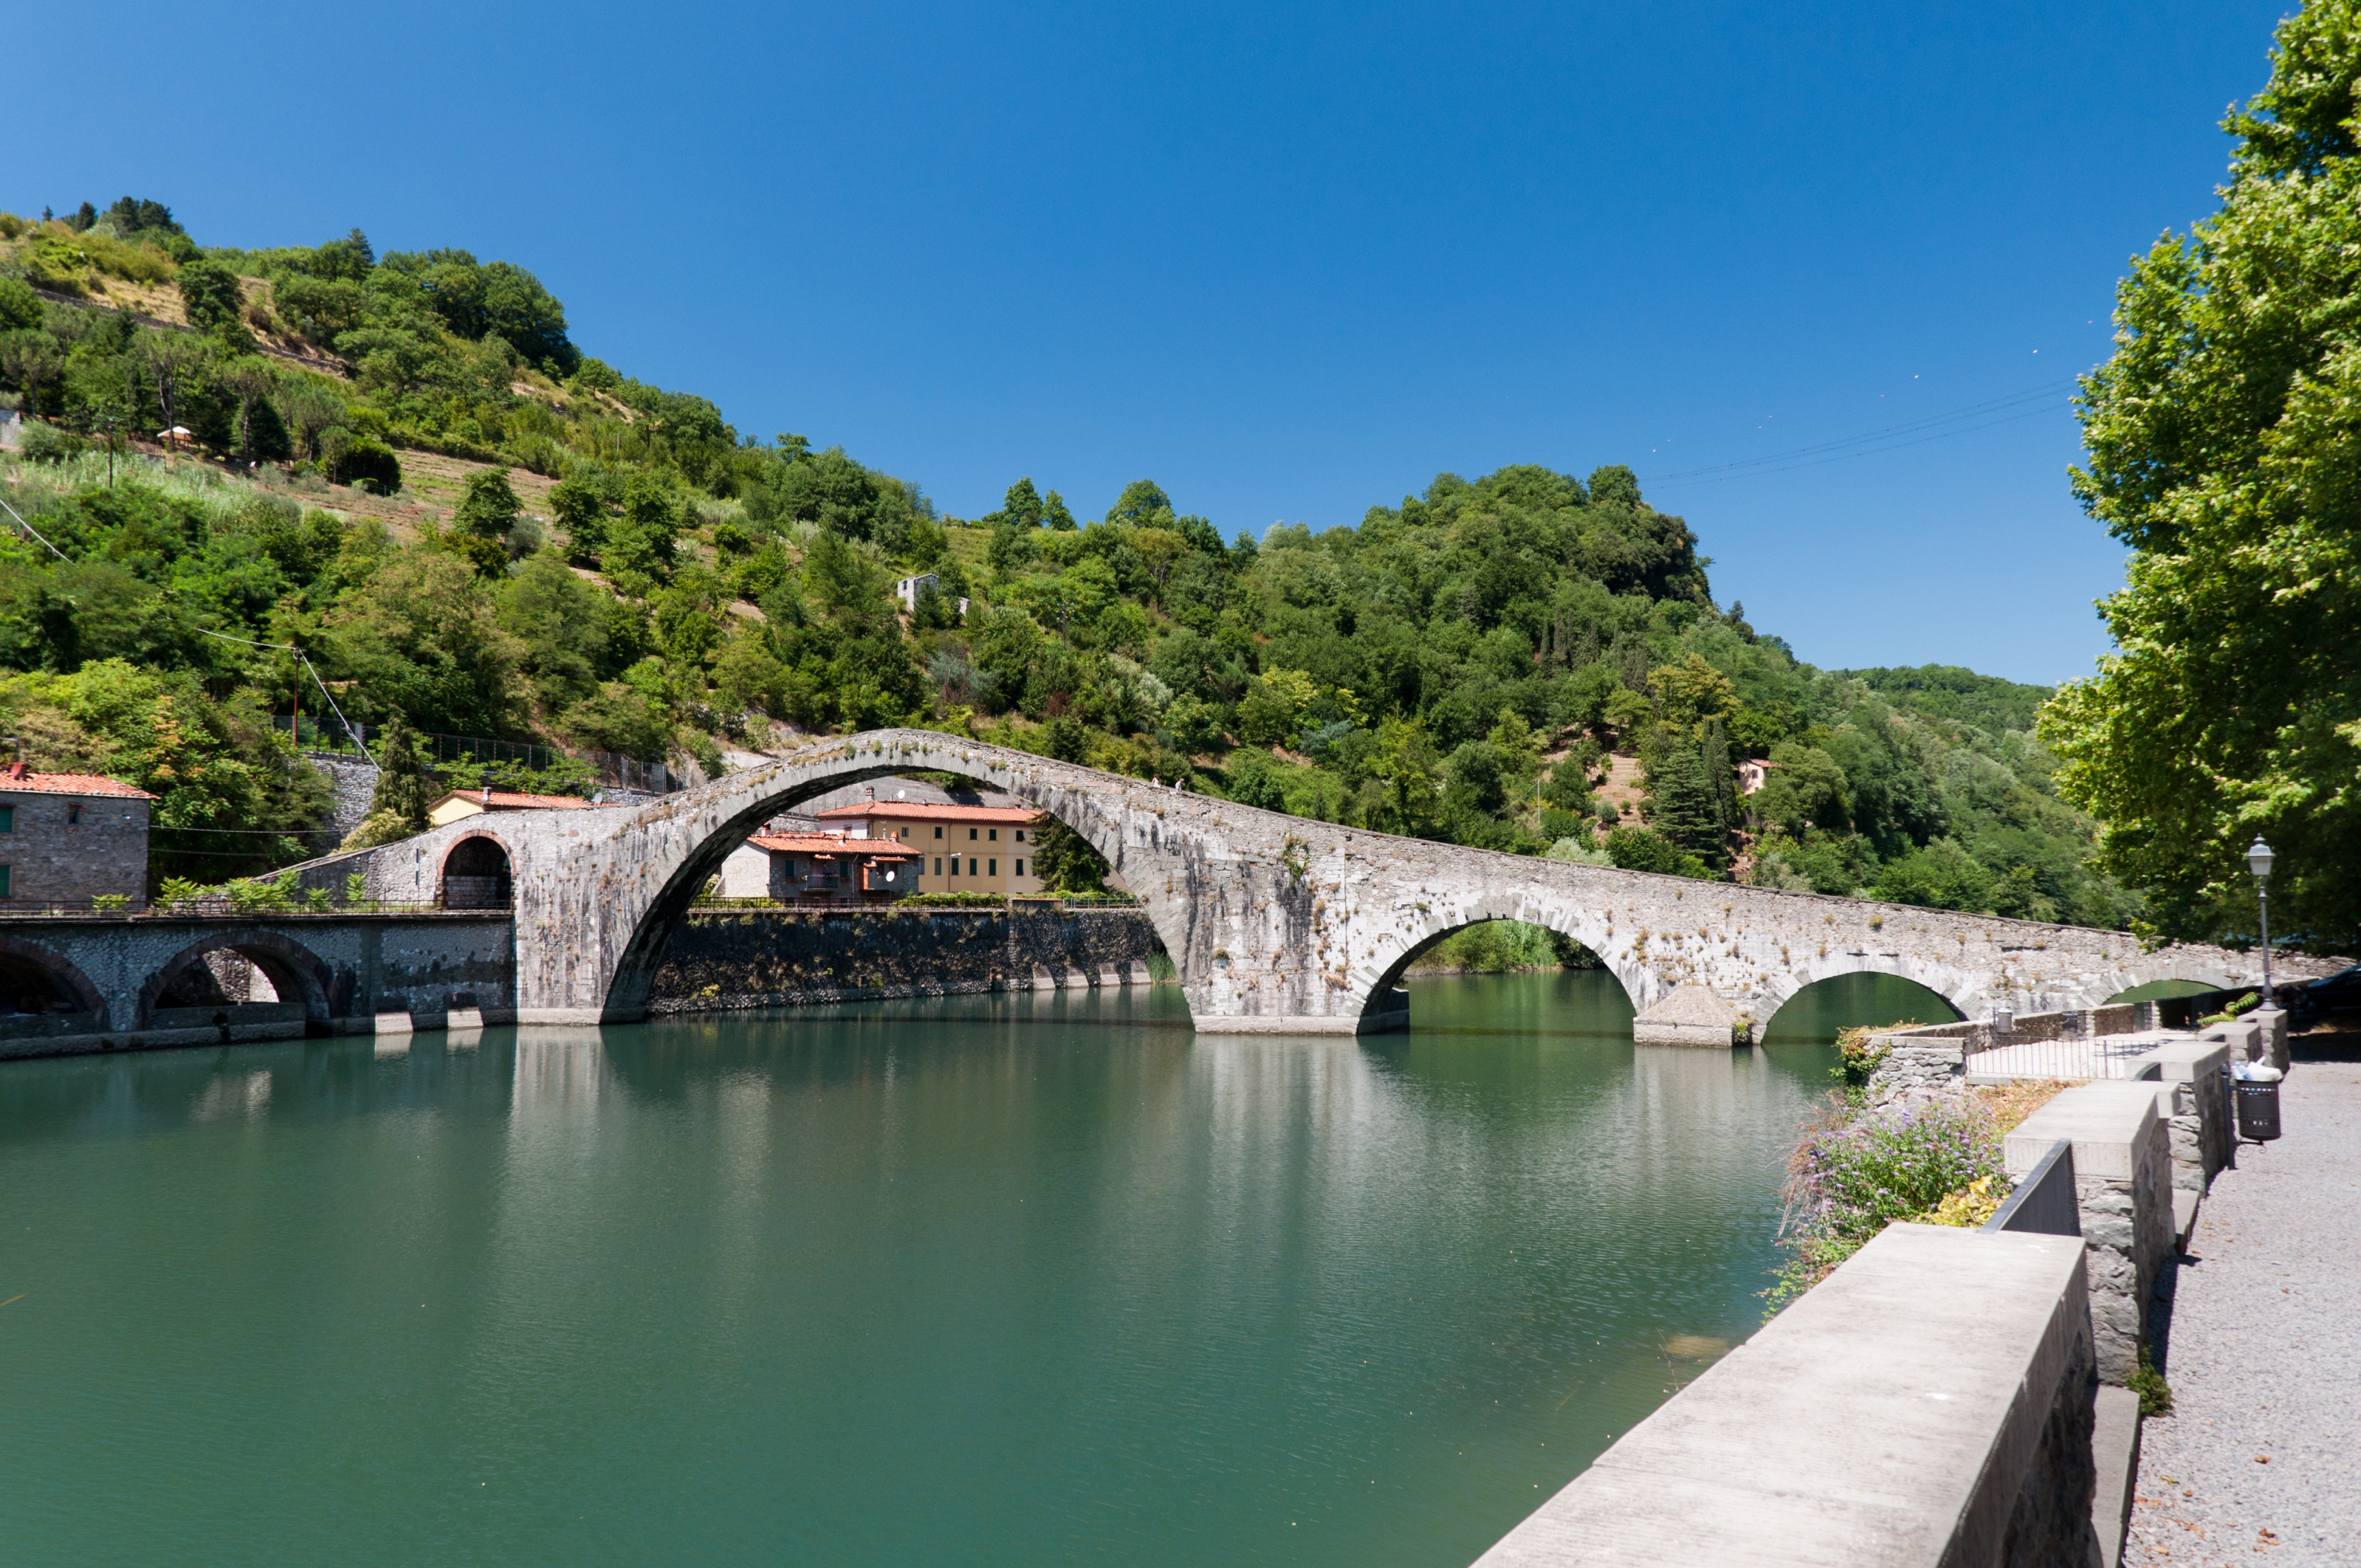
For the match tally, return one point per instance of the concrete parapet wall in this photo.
(2123, 1165)
(1928, 1403)
(766, 958)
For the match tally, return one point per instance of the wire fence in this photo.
(310, 734)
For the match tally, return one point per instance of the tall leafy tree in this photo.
(487, 515)
(2224, 436)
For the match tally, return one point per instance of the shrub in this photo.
(366, 459)
(1640, 849)
(47, 443)
(1968, 1208)
(21, 308)
(1848, 1180)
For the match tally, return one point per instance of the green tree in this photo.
(488, 512)
(644, 542)
(1682, 807)
(1940, 876)
(2220, 435)
(579, 507)
(1064, 860)
(1804, 788)
(208, 292)
(404, 788)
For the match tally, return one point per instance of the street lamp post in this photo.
(2258, 861)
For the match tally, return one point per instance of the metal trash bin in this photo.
(2258, 1108)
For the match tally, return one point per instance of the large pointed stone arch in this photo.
(738, 805)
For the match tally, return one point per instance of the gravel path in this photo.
(2261, 1459)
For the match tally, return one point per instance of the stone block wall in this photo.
(768, 957)
(2122, 1166)
(53, 859)
(354, 779)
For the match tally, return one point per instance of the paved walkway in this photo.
(2261, 1459)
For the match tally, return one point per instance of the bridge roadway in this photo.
(1277, 924)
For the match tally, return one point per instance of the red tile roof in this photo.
(511, 800)
(14, 779)
(832, 844)
(935, 811)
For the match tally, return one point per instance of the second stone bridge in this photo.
(1277, 924)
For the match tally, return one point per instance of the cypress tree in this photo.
(1682, 806)
(403, 787)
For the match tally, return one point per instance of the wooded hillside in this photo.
(606, 564)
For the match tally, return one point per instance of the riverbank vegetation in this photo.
(1860, 1166)
(403, 465)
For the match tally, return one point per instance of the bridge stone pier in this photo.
(1277, 924)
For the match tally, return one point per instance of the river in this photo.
(993, 1281)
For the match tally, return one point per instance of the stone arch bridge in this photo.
(1277, 924)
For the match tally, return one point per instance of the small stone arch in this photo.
(476, 873)
(2167, 964)
(1771, 1009)
(1417, 927)
(27, 971)
(296, 973)
(1968, 993)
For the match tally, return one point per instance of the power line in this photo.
(283, 647)
(35, 534)
(1876, 441)
(314, 674)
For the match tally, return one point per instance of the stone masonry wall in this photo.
(354, 779)
(767, 958)
(2128, 1227)
(2050, 1522)
(53, 861)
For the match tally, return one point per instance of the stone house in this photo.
(69, 837)
(818, 868)
(908, 590)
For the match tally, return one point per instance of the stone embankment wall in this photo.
(768, 957)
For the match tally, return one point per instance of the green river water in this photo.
(996, 1281)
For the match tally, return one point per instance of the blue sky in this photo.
(1288, 262)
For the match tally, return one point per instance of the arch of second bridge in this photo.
(295, 972)
(54, 970)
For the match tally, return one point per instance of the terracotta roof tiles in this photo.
(14, 779)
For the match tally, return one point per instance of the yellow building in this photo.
(464, 803)
(961, 848)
